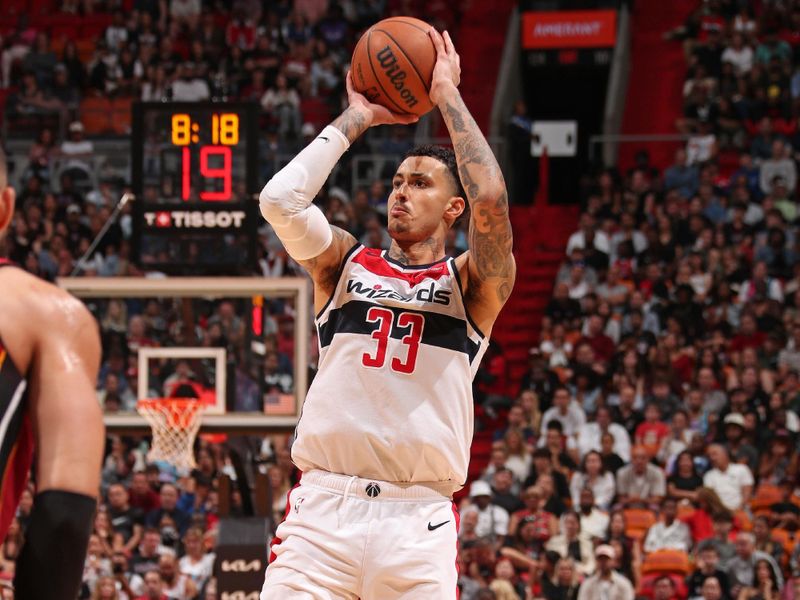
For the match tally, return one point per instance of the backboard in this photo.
(239, 345)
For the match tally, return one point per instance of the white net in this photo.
(175, 423)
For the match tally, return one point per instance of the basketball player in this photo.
(383, 441)
(49, 355)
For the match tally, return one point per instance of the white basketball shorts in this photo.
(348, 538)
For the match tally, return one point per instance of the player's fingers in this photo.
(438, 43)
(448, 44)
(348, 81)
(407, 119)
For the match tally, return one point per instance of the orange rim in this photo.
(180, 412)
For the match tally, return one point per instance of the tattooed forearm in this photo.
(455, 115)
(490, 238)
(352, 123)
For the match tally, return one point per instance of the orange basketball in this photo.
(393, 65)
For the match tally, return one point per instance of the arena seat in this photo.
(14, 8)
(93, 26)
(766, 495)
(638, 521)
(667, 561)
(315, 111)
(40, 10)
(95, 112)
(786, 539)
(85, 48)
(121, 115)
(742, 520)
(63, 25)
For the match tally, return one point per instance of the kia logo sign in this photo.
(239, 595)
(195, 219)
(240, 569)
(240, 566)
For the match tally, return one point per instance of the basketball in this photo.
(393, 65)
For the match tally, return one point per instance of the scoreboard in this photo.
(194, 173)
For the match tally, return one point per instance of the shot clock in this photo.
(194, 174)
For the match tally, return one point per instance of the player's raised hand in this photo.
(380, 115)
(447, 70)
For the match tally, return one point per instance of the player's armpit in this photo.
(68, 423)
(324, 269)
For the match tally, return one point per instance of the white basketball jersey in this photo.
(392, 399)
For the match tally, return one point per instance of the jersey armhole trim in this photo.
(452, 263)
(345, 258)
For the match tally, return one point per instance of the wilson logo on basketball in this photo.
(396, 75)
(428, 294)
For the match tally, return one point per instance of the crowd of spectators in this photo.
(651, 449)
(156, 527)
(289, 57)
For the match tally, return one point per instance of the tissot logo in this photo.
(196, 219)
(428, 294)
(240, 566)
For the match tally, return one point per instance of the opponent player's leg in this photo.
(316, 552)
(412, 553)
(69, 433)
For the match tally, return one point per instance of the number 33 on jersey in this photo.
(394, 400)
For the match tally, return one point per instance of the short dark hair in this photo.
(542, 453)
(555, 424)
(446, 156)
(708, 546)
(722, 517)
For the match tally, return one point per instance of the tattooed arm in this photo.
(490, 263)
(324, 268)
(359, 116)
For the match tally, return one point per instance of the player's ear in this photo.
(455, 207)
(7, 198)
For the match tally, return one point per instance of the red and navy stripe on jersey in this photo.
(441, 330)
(16, 436)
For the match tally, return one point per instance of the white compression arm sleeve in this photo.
(286, 199)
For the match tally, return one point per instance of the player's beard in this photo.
(397, 226)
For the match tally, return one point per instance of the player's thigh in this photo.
(311, 557)
(286, 584)
(293, 575)
(414, 555)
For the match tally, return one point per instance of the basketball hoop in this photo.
(175, 423)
